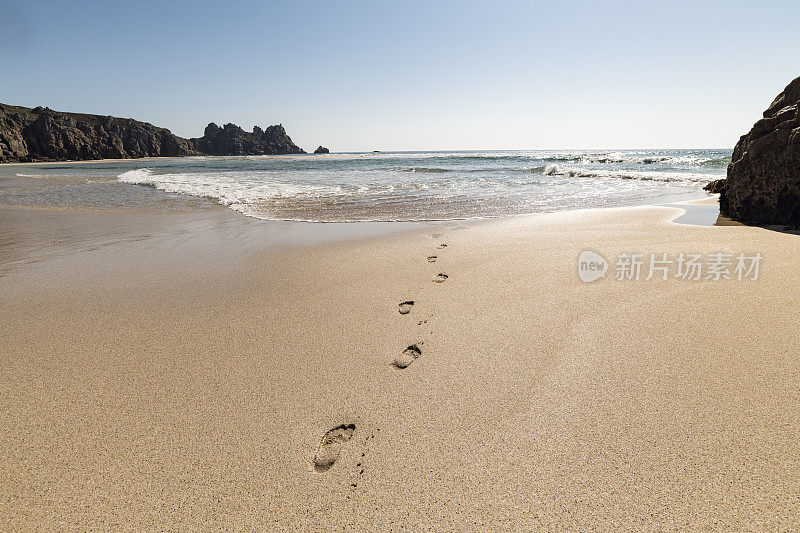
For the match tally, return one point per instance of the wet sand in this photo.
(192, 374)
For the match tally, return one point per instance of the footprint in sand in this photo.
(440, 278)
(442, 245)
(331, 445)
(431, 259)
(405, 307)
(408, 356)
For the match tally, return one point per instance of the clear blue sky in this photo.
(412, 75)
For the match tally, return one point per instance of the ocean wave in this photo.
(562, 158)
(430, 170)
(619, 158)
(717, 162)
(532, 170)
(228, 188)
(138, 176)
(416, 186)
(671, 177)
(667, 160)
(441, 162)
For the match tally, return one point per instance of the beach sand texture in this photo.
(183, 381)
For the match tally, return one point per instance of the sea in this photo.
(377, 186)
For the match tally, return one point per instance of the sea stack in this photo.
(763, 183)
(322, 150)
(233, 140)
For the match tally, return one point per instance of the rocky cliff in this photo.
(763, 182)
(233, 140)
(41, 134)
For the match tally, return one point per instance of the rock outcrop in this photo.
(715, 187)
(763, 183)
(322, 150)
(41, 134)
(233, 140)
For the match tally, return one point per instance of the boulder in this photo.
(715, 187)
(763, 182)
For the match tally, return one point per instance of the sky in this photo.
(432, 75)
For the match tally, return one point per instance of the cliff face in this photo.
(41, 134)
(763, 183)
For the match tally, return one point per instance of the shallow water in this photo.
(396, 186)
(697, 215)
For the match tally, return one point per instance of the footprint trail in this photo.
(331, 445)
(408, 356)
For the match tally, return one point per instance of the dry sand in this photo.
(185, 380)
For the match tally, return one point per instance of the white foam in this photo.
(411, 186)
(136, 176)
(573, 172)
(616, 157)
(228, 188)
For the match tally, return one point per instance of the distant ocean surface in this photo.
(405, 186)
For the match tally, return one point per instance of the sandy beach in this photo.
(197, 372)
(399, 266)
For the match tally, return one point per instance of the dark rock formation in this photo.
(233, 140)
(41, 134)
(322, 150)
(715, 187)
(763, 183)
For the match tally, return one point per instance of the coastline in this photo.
(157, 158)
(192, 372)
(89, 161)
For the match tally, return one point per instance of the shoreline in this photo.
(158, 158)
(258, 235)
(295, 191)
